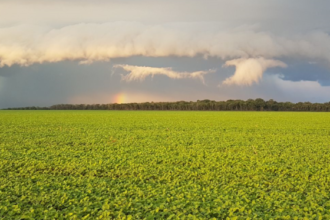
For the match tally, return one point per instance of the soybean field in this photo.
(164, 165)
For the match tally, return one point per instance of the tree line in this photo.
(200, 105)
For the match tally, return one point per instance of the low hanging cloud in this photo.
(251, 51)
(249, 71)
(88, 42)
(141, 72)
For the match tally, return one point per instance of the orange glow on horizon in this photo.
(120, 98)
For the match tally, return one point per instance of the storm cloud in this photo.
(25, 45)
(245, 43)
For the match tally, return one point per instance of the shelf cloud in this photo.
(26, 44)
(240, 49)
(233, 46)
(251, 51)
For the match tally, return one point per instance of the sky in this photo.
(120, 51)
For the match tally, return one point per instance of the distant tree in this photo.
(200, 105)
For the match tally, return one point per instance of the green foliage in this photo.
(201, 105)
(164, 165)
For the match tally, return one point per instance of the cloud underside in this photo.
(27, 44)
(141, 72)
(250, 51)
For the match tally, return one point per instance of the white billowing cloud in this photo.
(89, 42)
(249, 71)
(25, 44)
(141, 72)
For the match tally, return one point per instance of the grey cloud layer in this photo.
(67, 82)
(280, 15)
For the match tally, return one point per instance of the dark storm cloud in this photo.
(307, 71)
(185, 35)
